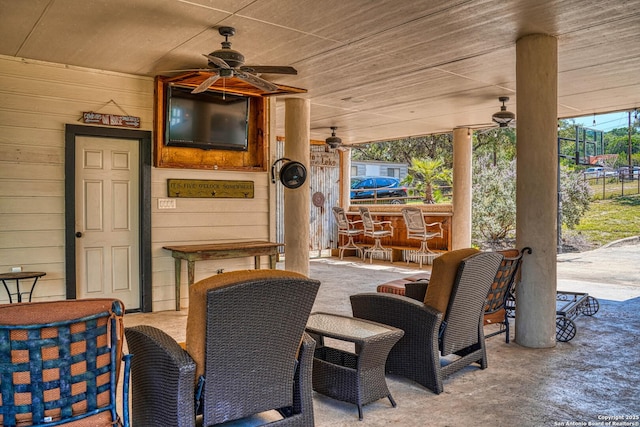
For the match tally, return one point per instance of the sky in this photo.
(605, 122)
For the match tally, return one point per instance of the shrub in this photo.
(575, 194)
(494, 199)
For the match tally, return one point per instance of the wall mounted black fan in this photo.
(292, 174)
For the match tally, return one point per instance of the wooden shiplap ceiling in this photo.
(375, 69)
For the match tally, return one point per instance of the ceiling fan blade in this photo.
(256, 81)
(476, 126)
(205, 84)
(219, 62)
(269, 69)
(184, 70)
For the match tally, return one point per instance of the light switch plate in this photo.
(166, 203)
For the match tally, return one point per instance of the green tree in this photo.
(617, 142)
(402, 150)
(498, 142)
(494, 195)
(494, 182)
(424, 173)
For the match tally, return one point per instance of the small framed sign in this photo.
(203, 188)
(110, 119)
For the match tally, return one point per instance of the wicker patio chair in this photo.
(453, 332)
(60, 363)
(247, 355)
(346, 228)
(494, 312)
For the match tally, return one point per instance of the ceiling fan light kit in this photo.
(503, 117)
(333, 141)
(232, 57)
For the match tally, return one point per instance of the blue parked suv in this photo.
(378, 187)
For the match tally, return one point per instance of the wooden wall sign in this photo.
(321, 158)
(91, 117)
(198, 188)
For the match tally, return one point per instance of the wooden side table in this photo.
(358, 377)
(35, 275)
(209, 251)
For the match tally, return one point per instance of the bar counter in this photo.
(442, 213)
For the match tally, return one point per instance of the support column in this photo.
(536, 197)
(345, 178)
(273, 141)
(462, 182)
(297, 201)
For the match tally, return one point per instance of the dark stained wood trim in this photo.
(254, 159)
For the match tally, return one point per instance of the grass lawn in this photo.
(609, 220)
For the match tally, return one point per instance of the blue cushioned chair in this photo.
(60, 363)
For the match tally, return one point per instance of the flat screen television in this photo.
(208, 120)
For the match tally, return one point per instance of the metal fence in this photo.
(608, 187)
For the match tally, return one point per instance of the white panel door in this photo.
(107, 220)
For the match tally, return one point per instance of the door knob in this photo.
(78, 234)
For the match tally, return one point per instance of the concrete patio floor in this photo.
(594, 379)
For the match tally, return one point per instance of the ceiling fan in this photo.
(333, 141)
(502, 118)
(226, 63)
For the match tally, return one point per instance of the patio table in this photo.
(17, 276)
(358, 377)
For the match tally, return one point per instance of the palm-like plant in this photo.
(423, 174)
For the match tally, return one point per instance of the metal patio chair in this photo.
(377, 230)
(347, 228)
(495, 307)
(418, 229)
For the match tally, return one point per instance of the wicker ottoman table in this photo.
(354, 377)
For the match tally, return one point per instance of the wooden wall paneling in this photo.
(38, 99)
(21, 205)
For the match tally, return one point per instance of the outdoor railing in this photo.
(607, 187)
(381, 195)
